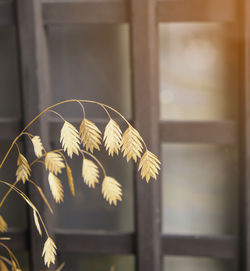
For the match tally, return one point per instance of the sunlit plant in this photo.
(80, 143)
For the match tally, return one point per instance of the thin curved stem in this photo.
(99, 163)
(83, 109)
(26, 198)
(8, 192)
(12, 256)
(59, 115)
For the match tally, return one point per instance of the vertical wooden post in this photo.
(145, 77)
(35, 89)
(244, 136)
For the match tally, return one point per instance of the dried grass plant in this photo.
(80, 143)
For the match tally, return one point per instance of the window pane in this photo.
(88, 209)
(199, 188)
(198, 70)
(9, 94)
(196, 264)
(76, 261)
(91, 61)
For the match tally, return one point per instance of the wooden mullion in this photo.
(144, 51)
(217, 132)
(35, 93)
(244, 132)
(220, 247)
(96, 242)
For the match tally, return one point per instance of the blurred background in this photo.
(197, 61)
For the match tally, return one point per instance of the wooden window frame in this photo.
(148, 243)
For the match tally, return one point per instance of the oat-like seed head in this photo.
(70, 139)
(90, 135)
(112, 137)
(56, 187)
(38, 146)
(132, 144)
(90, 172)
(3, 225)
(23, 170)
(54, 162)
(111, 190)
(49, 252)
(149, 166)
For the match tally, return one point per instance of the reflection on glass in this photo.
(199, 189)
(9, 94)
(91, 62)
(88, 209)
(198, 71)
(78, 261)
(15, 217)
(195, 264)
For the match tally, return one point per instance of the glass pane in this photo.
(76, 261)
(9, 94)
(198, 63)
(91, 62)
(88, 209)
(15, 217)
(199, 188)
(196, 264)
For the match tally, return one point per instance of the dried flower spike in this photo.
(38, 146)
(3, 225)
(70, 179)
(23, 170)
(49, 252)
(56, 188)
(37, 222)
(70, 139)
(111, 190)
(90, 172)
(54, 162)
(112, 137)
(149, 166)
(131, 144)
(90, 135)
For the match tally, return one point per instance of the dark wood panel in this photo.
(91, 11)
(7, 15)
(109, 11)
(97, 242)
(244, 132)
(197, 10)
(144, 62)
(223, 247)
(219, 132)
(9, 127)
(18, 239)
(35, 94)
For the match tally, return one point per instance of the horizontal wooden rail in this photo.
(110, 11)
(197, 11)
(18, 239)
(218, 132)
(222, 247)
(100, 242)
(106, 242)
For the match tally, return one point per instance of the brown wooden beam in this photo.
(220, 247)
(218, 132)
